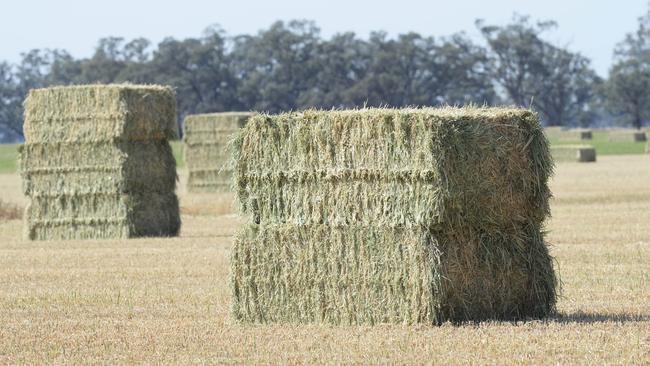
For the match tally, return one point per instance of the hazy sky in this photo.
(590, 27)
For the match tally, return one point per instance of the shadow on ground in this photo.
(580, 317)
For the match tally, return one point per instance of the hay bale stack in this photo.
(574, 153)
(392, 215)
(97, 163)
(206, 137)
(627, 136)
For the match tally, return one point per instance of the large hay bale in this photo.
(97, 162)
(206, 137)
(574, 153)
(627, 136)
(392, 215)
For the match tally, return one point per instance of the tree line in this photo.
(290, 66)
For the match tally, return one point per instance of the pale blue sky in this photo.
(590, 27)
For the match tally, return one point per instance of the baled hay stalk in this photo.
(206, 137)
(368, 274)
(574, 153)
(97, 163)
(392, 215)
(627, 136)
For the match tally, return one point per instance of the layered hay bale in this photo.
(206, 137)
(574, 153)
(627, 136)
(97, 162)
(384, 215)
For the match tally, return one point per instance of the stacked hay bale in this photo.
(206, 137)
(627, 136)
(97, 162)
(574, 153)
(392, 215)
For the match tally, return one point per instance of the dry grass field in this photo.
(164, 301)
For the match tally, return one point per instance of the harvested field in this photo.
(168, 300)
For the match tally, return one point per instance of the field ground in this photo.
(164, 301)
(8, 157)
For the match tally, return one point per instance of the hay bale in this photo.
(576, 134)
(97, 163)
(392, 215)
(206, 137)
(574, 153)
(627, 136)
(554, 131)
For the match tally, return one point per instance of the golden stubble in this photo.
(167, 300)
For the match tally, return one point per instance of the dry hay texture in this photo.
(627, 136)
(206, 138)
(574, 153)
(97, 163)
(392, 215)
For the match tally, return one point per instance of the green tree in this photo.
(276, 67)
(533, 72)
(416, 71)
(10, 118)
(627, 90)
(566, 88)
(199, 70)
(340, 63)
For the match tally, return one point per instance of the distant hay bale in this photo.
(585, 134)
(554, 131)
(579, 134)
(392, 215)
(97, 162)
(568, 134)
(576, 134)
(627, 136)
(574, 153)
(206, 137)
